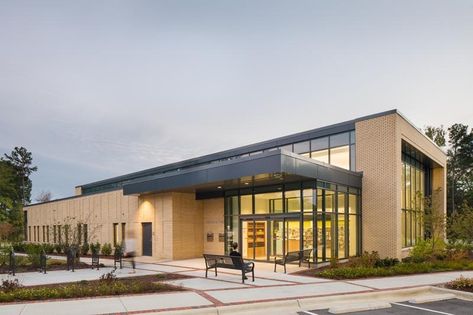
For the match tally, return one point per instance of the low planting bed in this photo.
(461, 284)
(108, 285)
(422, 260)
(358, 272)
(25, 264)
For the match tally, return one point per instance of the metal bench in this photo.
(299, 255)
(229, 262)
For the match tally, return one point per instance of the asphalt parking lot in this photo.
(448, 307)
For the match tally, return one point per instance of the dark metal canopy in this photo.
(277, 166)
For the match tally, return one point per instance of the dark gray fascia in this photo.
(273, 162)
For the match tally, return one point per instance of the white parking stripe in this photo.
(422, 309)
(309, 313)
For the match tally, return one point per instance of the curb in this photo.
(432, 298)
(458, 294)
(358, 307)
(314, 303)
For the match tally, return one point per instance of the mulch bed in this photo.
(148, 284)
(145, 279)
(54, 267)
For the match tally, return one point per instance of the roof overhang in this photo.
(273, 167)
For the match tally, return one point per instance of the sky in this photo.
(96, 89)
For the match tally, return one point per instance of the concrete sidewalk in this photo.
(224, 290)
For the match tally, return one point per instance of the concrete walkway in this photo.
(225, 289)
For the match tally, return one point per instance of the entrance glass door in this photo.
(272, 238)
(254, 239)
(276, 239)
(293, 235)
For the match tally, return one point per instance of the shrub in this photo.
(33, 252)
(9, 285)
(95, 248)
(84, 249)
(58, 248)
(458, 249)
(107, 249)
(398, 269)
(365, 260)
(118, 249)
(462, 283)
(19, 247)
(108, 277)
(386, 262)
(48, 248)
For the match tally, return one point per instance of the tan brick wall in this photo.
(187, 226)
(98, 211)
(378, 156)
(213, 223)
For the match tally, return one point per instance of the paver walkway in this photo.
(225, 289)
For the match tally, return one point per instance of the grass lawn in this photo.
(108, 286)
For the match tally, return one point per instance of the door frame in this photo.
(143, 224)
(284, 217)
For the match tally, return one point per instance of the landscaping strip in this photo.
(108, 285)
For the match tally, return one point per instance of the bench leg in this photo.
(274, 266)
(253, 274)
(284, 268)
(242, 276)
(215, 270)
(206, 271)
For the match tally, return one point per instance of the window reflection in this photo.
(321, 156)
(268, 203)
(340, 157)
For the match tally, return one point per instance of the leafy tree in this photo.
(436, 134)
(460, 225)
(460, 167)
(459, 163)
(44, 196)
(10, 199)
(22, 160)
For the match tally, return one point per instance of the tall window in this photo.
(412, 200)
(86, 234)
(59, 234)
(115, 234)
(123, 232)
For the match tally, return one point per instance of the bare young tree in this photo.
(44, 196)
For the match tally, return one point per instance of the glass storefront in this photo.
(271, 221)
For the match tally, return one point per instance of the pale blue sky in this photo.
(101, 88)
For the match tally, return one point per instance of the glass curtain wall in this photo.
(271, 221)
(337, 149)
(413, 192)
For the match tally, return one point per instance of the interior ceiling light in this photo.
(219, 187)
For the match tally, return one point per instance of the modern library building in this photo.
(339, 190)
